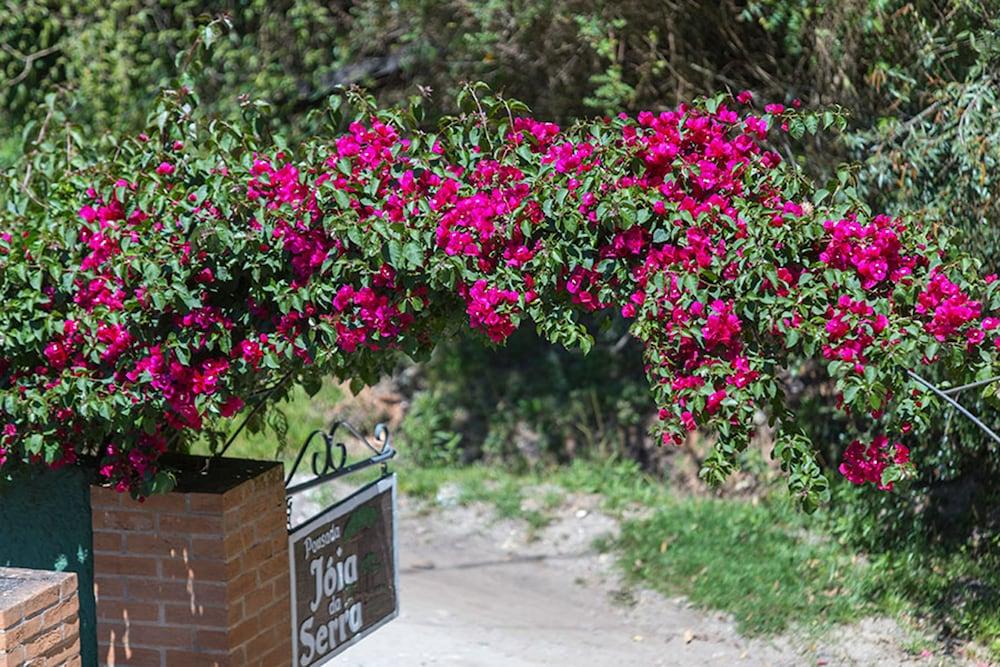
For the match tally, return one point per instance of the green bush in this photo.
(425, 436)
(528, 403)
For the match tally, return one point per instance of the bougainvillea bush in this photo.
(156, 286)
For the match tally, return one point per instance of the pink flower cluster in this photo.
(873, 251)
(180, 384)
(865, 464)
(572, 158)
(701, 343)
(583, 285)
(486, 227)
(7, 435)
(539, 133)
(65, 348)
(950, 309)
(722, 325)
(852, 327)
(128, 467)
(491, 310)
(369, 315)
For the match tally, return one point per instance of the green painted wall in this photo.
(45, 523)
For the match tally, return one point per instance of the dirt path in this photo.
(479, 592)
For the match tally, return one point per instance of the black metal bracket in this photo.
(329, 459)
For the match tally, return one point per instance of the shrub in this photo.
(428, 442)
(530, 403)
(156, 283)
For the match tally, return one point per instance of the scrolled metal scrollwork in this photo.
(330, 461)
(329, 465)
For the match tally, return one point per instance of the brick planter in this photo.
(39, 619)
(45, 524)
(196, 577)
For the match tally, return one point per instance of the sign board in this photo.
(345, 575)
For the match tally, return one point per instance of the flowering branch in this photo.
(127, 334)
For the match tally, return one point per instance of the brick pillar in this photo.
(39, 619)
(195, 577)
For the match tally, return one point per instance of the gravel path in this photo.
(480, 592)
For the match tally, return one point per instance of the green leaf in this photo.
(414, 255)
(343, 199)
(163, 482)
(396, 254)
(312, 384)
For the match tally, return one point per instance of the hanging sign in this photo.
(345, 579)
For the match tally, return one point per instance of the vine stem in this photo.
(958, 406)
(971, 385)
(260, 404)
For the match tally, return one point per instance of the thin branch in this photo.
(958, 406)
(255, 410)
(29, 61)
(28, 172)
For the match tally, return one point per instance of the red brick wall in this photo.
(191, 579)
(39, 621)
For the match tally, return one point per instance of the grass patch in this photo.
(764, 563)
(956, 592)
(758, 563)
(620, 482)
(425, 483)
(507, 497)
(503, 491)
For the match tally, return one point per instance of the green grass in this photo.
(764, 563)
(505, 492)
(956, 592)
(758, 563)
